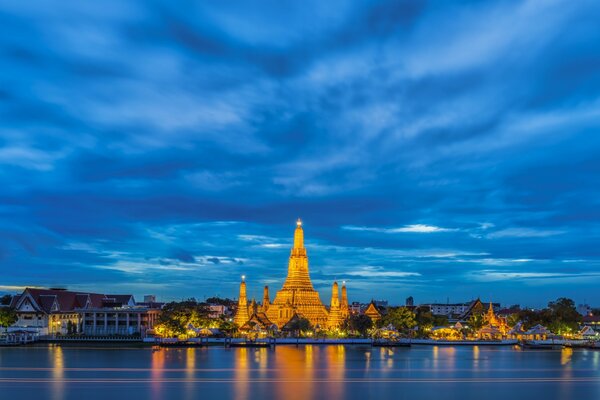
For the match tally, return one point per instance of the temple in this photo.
(297, 297)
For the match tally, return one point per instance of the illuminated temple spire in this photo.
(266, 301)
(298, 295)
(334, 319)
(344, 309)
(241, 316)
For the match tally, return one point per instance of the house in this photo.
(63, 312)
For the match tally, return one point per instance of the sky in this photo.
(438, 149)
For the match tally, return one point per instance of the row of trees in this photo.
(175, 318)
(560, 317)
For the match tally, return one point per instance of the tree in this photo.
(8, 317)
(513, 319)
(475, 322)
(359, 323)
(298, 325)
(5, 300)
(400, 318)
(564, 317)
(176, 316)
(227, 326)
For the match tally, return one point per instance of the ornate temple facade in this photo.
(297, 297)
(495, 327)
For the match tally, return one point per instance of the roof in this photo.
(120, 298)
(591, 318)
(259, 319)
(49, 300)
(587, 331)
(538, 330)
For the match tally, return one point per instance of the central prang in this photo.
(297, 298)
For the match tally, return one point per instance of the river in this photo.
(290, 372)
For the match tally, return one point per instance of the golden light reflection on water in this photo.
(261, 357)
(476, 356)
(295, 366)
(565, 355)
(241, 374)
(58, 372)
(158, 363)
(190, 371)
(336, 361)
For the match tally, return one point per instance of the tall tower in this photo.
(344, 308)
(241, 316)
(298, 278)
(334, 318)
(266, 301)
(298, 295)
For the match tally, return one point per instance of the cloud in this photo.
(524, 233)
(416, 228)
(171, 147)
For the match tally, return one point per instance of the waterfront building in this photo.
(593, 321)
(461, 310)
(495, 327)
(118, 321)
(59, 311)
(297, 298)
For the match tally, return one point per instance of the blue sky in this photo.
(444, 150)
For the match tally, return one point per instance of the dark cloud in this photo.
(170, 147)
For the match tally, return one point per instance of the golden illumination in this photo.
(296, 297)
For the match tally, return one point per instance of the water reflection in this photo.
(289, 372)
(241, 374)
(565, 355)
(336, 358)
(190, 371)
(58, 372)
(158, 365)
(295, 367)
(475, 357)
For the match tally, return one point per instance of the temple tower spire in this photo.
(241, 316)
(266, 301)
(344, 309)
(334, 318)
(297, 296)
(298, 278)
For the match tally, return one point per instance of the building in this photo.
(149, 298)
(410, 302)
(355, 307)
(495, 327)
(59, 311)
(297, 297)
(373, 311)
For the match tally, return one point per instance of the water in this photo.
(289, 372)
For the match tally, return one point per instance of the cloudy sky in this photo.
(435, 149)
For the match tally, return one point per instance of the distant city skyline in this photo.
(432, 150)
